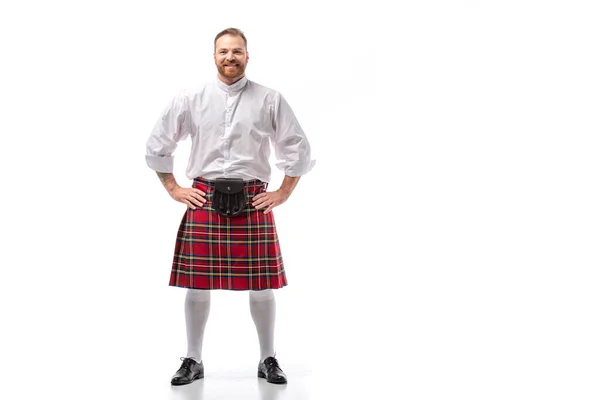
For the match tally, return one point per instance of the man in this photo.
(231, 121)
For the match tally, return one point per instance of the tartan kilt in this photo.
(239, 253)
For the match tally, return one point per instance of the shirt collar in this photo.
(236, 87)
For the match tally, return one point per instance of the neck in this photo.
(228, 81)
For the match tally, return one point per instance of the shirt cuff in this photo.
(296, 167)
(160, 163)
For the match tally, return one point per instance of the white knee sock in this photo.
(262, 309)
(197, 308)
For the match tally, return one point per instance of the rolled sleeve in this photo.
(173, 126)
(291, 145)
(160, 163)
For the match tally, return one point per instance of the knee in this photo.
(262, 295)
(197, 295)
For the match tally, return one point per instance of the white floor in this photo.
(129, 347)
(233, 385)
(90, 343)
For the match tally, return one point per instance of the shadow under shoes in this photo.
(271, 371)
(189, 371)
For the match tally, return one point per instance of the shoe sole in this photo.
(262, 375)
(200, 376)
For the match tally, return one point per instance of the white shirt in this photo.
(231, 127)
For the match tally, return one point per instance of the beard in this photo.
(231, 73)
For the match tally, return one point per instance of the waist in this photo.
(247, 183)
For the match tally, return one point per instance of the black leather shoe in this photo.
(189, 371)
(270, 370)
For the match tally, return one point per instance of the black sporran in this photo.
(229, 198)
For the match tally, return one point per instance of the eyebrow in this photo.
(224, 48)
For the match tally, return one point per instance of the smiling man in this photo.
(231, 58)
(227, 238)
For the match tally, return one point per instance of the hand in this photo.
(192, 197)
(269, 200)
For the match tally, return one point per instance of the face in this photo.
(231, 58)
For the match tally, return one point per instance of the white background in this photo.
(444, 246)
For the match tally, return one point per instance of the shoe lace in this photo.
(272, 363)
(187, 364)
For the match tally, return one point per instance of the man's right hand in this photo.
(192, 197)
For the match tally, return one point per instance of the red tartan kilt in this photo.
(239, 253)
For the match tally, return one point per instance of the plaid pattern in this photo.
(240, 253)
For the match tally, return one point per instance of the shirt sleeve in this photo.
(173, 126)
(291, 146)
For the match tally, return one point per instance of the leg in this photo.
(197, 309)
(262, 309)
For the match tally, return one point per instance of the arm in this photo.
(271, 200)
(292, 149)
(288, 185)
(168, 180)
(293, 152)
(173, 126)
(192, 197)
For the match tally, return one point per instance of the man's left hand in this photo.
(269, 200)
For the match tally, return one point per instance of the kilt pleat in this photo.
(239, 253)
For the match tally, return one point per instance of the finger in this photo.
(259, 196)
(200, 192)
(190, 205)
(199, 198)
(271, 205)
(261, 203)
(195, 201)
